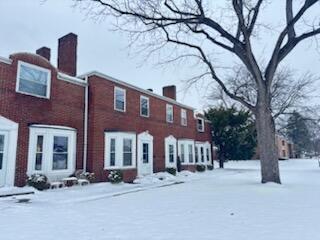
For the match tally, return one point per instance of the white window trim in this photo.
(119, 136)
(148, 101)
(205, 146)
(186, 143)
(37, 68)
(169, 107)
(184, 111)
(114, 99)
(208, 146)
(171, 140)
(202, 120)
(47, 158)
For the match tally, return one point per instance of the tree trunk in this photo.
(221, 162)
(267, 144)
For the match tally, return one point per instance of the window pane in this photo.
(196, 154)
(127, 144)
(112, 159)
(1, 159)
(171, 153)
(119, 99)
(127, 159)
(33, 81)
(144, 106)
(39, 143)
(60, 161)
(202, 154)
(1, 143)
(208, 156)
(38, 164)
(112, 152)
(145, 153)
(190, 154)
(182, 152)
(60, 144)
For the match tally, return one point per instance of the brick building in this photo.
(55, 122)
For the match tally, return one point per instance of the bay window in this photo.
(120, 150)
(186, 151)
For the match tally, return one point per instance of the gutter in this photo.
(85, 134)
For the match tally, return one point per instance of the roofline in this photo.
(102, 75)
(5, 60)
(74, 80)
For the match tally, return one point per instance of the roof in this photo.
(147, 92)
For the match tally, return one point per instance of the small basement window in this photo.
(33, 80)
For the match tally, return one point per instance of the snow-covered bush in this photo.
(210, 167)
(172, 171)
(38, 181)
(115, 176)
(80, 174)
(201, 168)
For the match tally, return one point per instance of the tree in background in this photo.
(233, 133)
(298, 132)
(199, 30)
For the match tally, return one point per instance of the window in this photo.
(169, 109)
(196, 152)
(202, 154)
(283, 143)
(190, 151)
(127, 152)
(208, 155)
(33, 80)
(119, 99)
(60, 153)
(52, 150)
(182, 153)
(144, 106)
(39, 153)
(120, 150)
(145, 152)
(200, 124)
(1, 150)
(171, 153)
(184, 117)
(112, 152)
(284, 153)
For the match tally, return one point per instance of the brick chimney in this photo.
(67, 54)
(44, 52)
(170, 92)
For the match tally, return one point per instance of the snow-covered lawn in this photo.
(221, 204)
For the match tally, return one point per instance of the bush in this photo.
(38, 181)
(210, 167)
(80, 174)
(172, 171)
(115, 176)
(201, 168)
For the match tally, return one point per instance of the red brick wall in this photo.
(102, 116)
(65, 107)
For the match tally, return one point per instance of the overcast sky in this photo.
(30, 24)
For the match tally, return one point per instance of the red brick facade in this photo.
(66, 107)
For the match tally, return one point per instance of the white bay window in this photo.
(186, 151)
(52, 151)
(120, 150)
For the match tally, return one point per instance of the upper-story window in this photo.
(169, 109)
(200, 124)
(184, 121)
(33, 80)
(119, 99)
(144, 106)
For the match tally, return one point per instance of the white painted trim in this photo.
(70, 79)
(170, 140)
(184, 112)
(205, 145)
(114, 99)
(144, 137)
(12, 129)
(39, 69)
(47, 161)
(118, 136)
(186, 143)
(169, 107)
(5, 60)
(111, 79)
(53, 127)
(146, 98)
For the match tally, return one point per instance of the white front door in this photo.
(3, 157)
(145, 166)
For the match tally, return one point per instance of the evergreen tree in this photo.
(298, 132)
(233, 133)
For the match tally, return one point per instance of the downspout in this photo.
(85, 134)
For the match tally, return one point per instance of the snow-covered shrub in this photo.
(115, 176)
(172, 171)
(38, 181)
(80, 174)
(210, 167)
(201, 168)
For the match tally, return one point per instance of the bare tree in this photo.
(194, 26)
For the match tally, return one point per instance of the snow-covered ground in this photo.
(221, 204)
